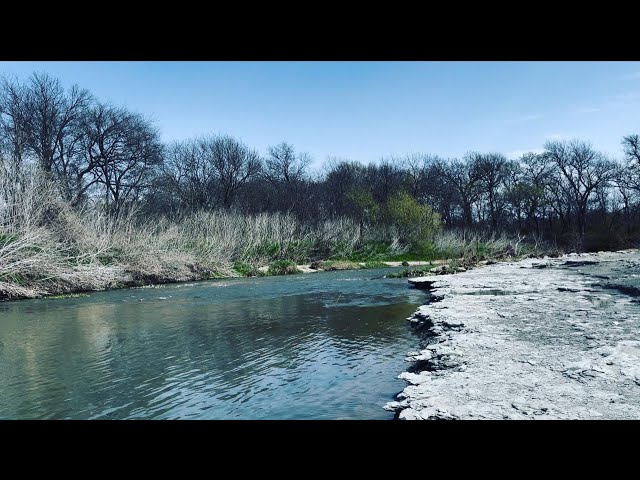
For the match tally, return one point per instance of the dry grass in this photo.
(469, 247)
(46, 247)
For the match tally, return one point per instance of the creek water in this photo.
(326, 345)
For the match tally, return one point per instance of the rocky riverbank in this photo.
(539, 338)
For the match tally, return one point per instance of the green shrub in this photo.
(369, 251)
(268, 249)
(246, 269)
(341, 249)
(283, 267)
(374, 264)
(368, 209)
(413, 221)
(105, 259)
(17, 278)
(7, 238)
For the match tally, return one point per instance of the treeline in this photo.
(106, 157)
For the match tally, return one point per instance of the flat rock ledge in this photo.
(535, 339)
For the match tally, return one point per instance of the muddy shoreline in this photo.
(538, 338)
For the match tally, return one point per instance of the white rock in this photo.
(529, 347)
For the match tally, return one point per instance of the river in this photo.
(327, 345)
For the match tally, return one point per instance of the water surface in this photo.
(327, 345)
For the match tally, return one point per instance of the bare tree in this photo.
(123, 150)
(631, 146)
(286, 173)
(283, 164)
(233, 163)
(340, 178)
(465, 177)
(13, 121)
(631, 149)
(13, 140)
(192, 176)
(385, 179)
(52, 119)
(526, 184)
(41, 121)
(419, 169)
(582, 170)
(626, 193)
(492, 170)
(438, 191)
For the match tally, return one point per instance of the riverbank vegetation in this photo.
(90, 198)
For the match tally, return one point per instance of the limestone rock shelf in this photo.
(513, 340)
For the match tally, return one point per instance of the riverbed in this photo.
(322, 346)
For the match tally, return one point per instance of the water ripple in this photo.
(327, 345)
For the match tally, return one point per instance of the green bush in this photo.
(268, 249)
(246, 269)
(370, 251)
(374, 264)
(105, 259)
(283, 267)
(413, 221)
(368, 209)
(341, 249)
(7, 238)
(17, 278)
(425, 250)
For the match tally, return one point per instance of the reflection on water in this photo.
(324, 345)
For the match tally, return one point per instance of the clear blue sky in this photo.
(365, 110)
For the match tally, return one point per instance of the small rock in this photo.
(568, 289)
(395, 406)
(442, 414)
